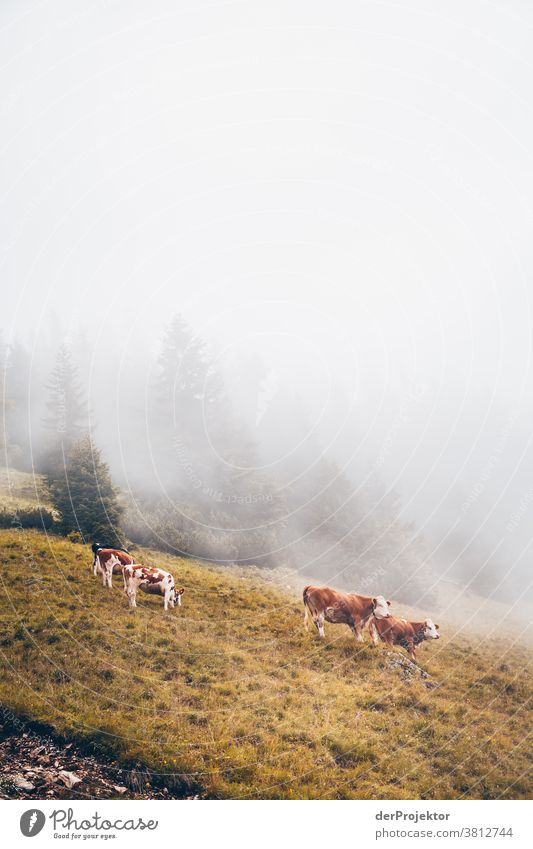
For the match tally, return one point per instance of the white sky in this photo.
(352, 178)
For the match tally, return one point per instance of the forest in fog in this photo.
(194, 479)
(218, 457)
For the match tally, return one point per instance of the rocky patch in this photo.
(36, 766)
(408, 668)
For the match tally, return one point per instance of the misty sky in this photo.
(338, 191)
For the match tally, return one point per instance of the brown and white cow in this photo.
(109, 560)
(400, 632)
(151, 580)
(325, 604)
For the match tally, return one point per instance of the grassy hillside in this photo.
(230, 696)
(20, 490)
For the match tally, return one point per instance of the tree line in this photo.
(200, 485)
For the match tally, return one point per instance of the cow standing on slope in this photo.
(400, 632)
(109, 560)
(325, 604)
(151, 580)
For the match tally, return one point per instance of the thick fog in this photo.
(335, 199)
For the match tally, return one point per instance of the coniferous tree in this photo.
(84, 495)
(64, 421)
(183, 392)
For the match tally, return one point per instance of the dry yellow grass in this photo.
(20, 490)
(229, 695)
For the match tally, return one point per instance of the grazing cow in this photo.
(400, 632)
(151, 580)
(109, 560)
(350, 609)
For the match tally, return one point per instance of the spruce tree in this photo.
(84, 495)
(64, 422)
(177, 415)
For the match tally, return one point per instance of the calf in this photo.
(325, 604)
(109, 560)
(400, 632)
(151, 580)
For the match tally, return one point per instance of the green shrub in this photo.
(27, 517)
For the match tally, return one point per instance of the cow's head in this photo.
(177, 596)
(380, 607)
(430, 630)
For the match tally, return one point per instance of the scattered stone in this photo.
(69, 779)
(407, 666)
(37, 766)
(21, 782)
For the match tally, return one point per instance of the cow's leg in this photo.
(411, 650)
(109, 574)
(306, 617)
(130, 588)
(373, 633)
(95, 565)
(166, 599)
(319, 622)
(357, 630)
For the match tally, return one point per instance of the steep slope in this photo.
(229, 697)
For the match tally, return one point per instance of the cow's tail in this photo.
(306, 609)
